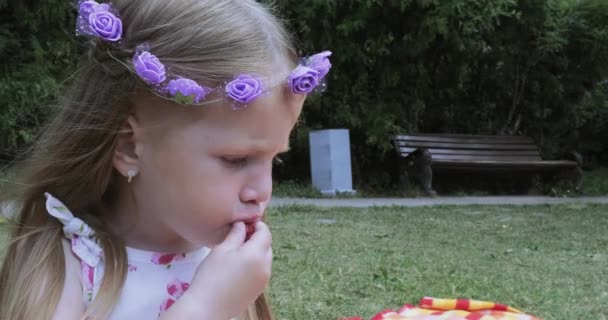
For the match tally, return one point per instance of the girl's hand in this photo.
(230, 278)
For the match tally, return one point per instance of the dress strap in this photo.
(84, 244)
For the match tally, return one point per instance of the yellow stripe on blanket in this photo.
(452, 309)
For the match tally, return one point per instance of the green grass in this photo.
(551, 261)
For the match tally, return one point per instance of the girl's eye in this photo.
(235, 161)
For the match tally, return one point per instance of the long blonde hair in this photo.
(204, 40)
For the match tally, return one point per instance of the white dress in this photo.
(154, 280)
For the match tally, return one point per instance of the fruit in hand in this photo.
(249, 230)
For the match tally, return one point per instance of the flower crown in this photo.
(103, 21)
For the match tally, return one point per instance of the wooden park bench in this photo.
(424, 153)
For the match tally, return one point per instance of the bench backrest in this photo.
(459, 147)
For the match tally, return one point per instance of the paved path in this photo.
(418, 202)
(7, 207)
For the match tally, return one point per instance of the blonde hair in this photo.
(204, 40)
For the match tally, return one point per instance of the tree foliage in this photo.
(524, 67)
(37, 52)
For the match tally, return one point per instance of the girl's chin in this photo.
(217, 237)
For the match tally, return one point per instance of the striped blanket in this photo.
(452, 309)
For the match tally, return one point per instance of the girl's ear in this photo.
(129, 147)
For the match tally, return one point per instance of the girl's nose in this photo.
(258, 190)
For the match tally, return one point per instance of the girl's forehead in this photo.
(151, 109)
(277, 111)
(269, 118)
(262, 126)
(278, 104)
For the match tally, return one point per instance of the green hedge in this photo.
(533, 67)
(37, 53)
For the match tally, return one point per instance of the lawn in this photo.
(551, 261)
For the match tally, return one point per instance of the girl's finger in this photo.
(235, 237)
(261, 237)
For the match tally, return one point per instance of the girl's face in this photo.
(202, 168)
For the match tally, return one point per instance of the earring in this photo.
(130, 174)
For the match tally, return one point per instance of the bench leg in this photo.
(423, 170)
(422, 175)
(577, 179)
(426, 179)
(418, 166)
(404, 179)
(576, 174)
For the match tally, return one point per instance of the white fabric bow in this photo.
(79, 233)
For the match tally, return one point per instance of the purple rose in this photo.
(149, 68)
(86, 7)
(106, 25)
(99, 20)
(303, 79)
(244, 88)
(187, 88)
(320, 62)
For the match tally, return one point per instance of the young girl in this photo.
(140, 189)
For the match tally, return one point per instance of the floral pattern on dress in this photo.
(88, 274)
(166, 259)
(154, 268)
(175, 289)
(83, 243)
(82, 238)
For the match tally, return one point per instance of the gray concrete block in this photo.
(330, 161)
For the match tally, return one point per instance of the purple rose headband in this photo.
(98, 20)
(103, 21)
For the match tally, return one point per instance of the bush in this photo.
(529, 67)
(37, 53)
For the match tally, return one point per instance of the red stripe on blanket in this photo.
(500, 307)
(474, 316)
(406, 307)
(462, 304)
(380, 315)
(426, 303)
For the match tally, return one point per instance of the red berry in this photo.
(249, 230)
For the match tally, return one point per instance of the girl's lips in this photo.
(254, 219)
